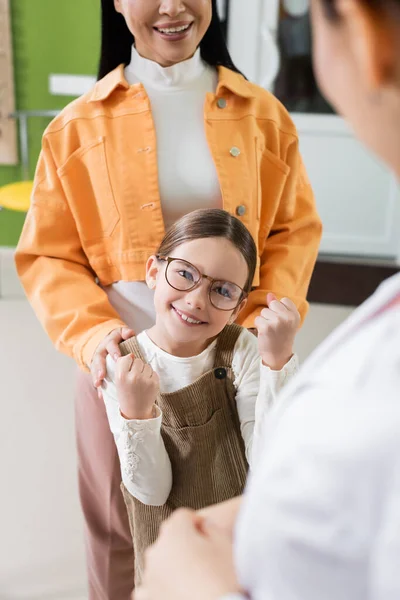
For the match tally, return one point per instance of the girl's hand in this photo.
(137, 387)
(108, 346)
(277, 327)
(188, 563)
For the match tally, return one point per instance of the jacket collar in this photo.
(108, 84)
(234, 82)
(227, 79)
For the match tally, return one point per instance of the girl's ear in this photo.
(236, 312)
(152, 269)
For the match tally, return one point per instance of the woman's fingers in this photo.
(112, 348)
(109, 345)
(126, 333)
(98, 367)
(113, 340)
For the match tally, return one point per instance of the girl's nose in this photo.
(197, 297)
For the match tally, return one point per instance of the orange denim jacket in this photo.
(95, 213)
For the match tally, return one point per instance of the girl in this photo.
(189, 445)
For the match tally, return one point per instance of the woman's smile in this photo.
(174, 32)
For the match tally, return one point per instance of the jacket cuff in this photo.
(84, 351)
(248, 322)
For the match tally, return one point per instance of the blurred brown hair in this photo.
(373, 5)
(207, 223)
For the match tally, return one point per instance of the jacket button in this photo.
(234, 151)
(240, 210)
(221, 103)
(220, 373)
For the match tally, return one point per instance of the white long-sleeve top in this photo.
(145, 465)
(187, 176)
(321, 515)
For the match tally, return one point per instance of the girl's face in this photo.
(357, 67)
(216, 257)
(166, 31)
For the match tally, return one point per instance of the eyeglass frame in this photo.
(170, 259)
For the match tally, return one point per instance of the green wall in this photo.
(49, 36)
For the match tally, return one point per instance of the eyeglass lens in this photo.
(184, 276)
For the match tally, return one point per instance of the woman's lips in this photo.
(174, 32)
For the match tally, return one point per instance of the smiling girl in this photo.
(186, 403)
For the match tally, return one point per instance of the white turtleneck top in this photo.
(186, 171)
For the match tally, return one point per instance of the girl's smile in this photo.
(187, 320)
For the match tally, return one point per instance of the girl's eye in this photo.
(186, 275)
(224, 291)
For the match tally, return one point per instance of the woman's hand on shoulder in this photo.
(277, 327)
(109, 345)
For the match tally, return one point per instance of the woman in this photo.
(170, 126)
(321, 518)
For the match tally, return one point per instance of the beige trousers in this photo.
(109, 549)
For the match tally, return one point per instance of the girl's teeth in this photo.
(188, 319)
(174, 29)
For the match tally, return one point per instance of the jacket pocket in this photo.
(86, 182)
(270, 169)
(272, 178)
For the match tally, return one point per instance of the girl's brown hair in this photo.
(212, 222)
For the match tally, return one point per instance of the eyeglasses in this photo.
(183, 276)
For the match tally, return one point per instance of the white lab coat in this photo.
(321, 516)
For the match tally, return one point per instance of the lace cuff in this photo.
(133, 434)
(278, 379)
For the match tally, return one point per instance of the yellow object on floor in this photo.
(16, 196)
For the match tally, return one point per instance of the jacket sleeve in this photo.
(55, 272)
(290, 250)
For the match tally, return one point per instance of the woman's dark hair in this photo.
(212, 222)
(375, 5)
(116, 41)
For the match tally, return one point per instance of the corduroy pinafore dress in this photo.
(201, 433)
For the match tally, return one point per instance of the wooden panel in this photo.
(8, 129)
(346, 284)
